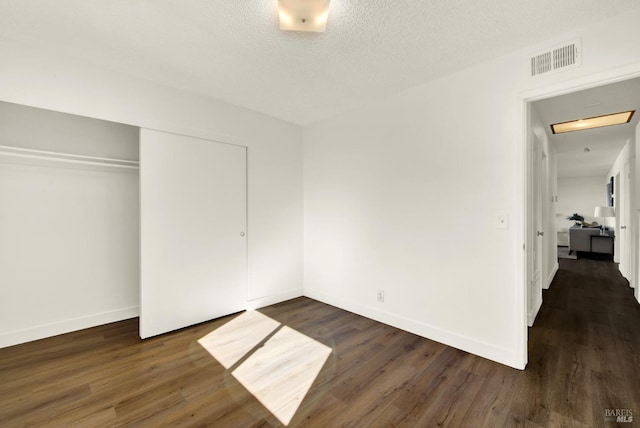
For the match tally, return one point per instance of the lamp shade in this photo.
(604, 212)
(303, 15)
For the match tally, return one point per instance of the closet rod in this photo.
(67, 157)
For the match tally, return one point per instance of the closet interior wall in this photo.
(69, 223)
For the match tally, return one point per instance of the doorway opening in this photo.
(553, 165)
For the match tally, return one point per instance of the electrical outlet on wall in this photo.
(380, 296)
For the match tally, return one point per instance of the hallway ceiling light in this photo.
(592, 122)
(303, 15)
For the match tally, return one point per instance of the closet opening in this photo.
(69, 222)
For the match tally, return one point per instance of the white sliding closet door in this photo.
(193, 211)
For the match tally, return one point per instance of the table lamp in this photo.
(604, 212)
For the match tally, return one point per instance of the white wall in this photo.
(34, 128)
(36, 78)
(69, 249)
(580, 195)
(403, 195)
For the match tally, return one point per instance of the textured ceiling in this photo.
(232, 50)
(604, 143)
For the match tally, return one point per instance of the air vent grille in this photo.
(541, 64)
(562, 57)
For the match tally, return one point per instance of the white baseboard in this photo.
(531, 316)
(486, 350)
(261, 302)
(47, 330)
(552, 275)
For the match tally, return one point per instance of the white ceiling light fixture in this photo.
(303, 15)
(593, 122)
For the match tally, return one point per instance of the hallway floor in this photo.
(585, 344)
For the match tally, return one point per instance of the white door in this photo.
(624, 215)
(193, 225)
(536, 233)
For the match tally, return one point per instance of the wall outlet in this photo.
(380, 296)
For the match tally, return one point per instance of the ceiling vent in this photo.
(561, 57)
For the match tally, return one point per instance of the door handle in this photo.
(623, 227)
(538, 233)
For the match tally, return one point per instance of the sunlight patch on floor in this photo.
(229, 343)
(280, 372)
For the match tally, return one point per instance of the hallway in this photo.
(584, 348)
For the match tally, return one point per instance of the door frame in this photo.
(617, 191)
(626, 214)
(536, 225)
(524, 181)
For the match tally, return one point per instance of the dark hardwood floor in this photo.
(584, 357)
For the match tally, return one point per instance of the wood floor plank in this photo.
(373, 401)
(562, 421)
(319, 410)
(43, 410)
(450, 407)
(571, 397)
(584, 357)
(493, 402)
(608, 393)
(419, 394)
